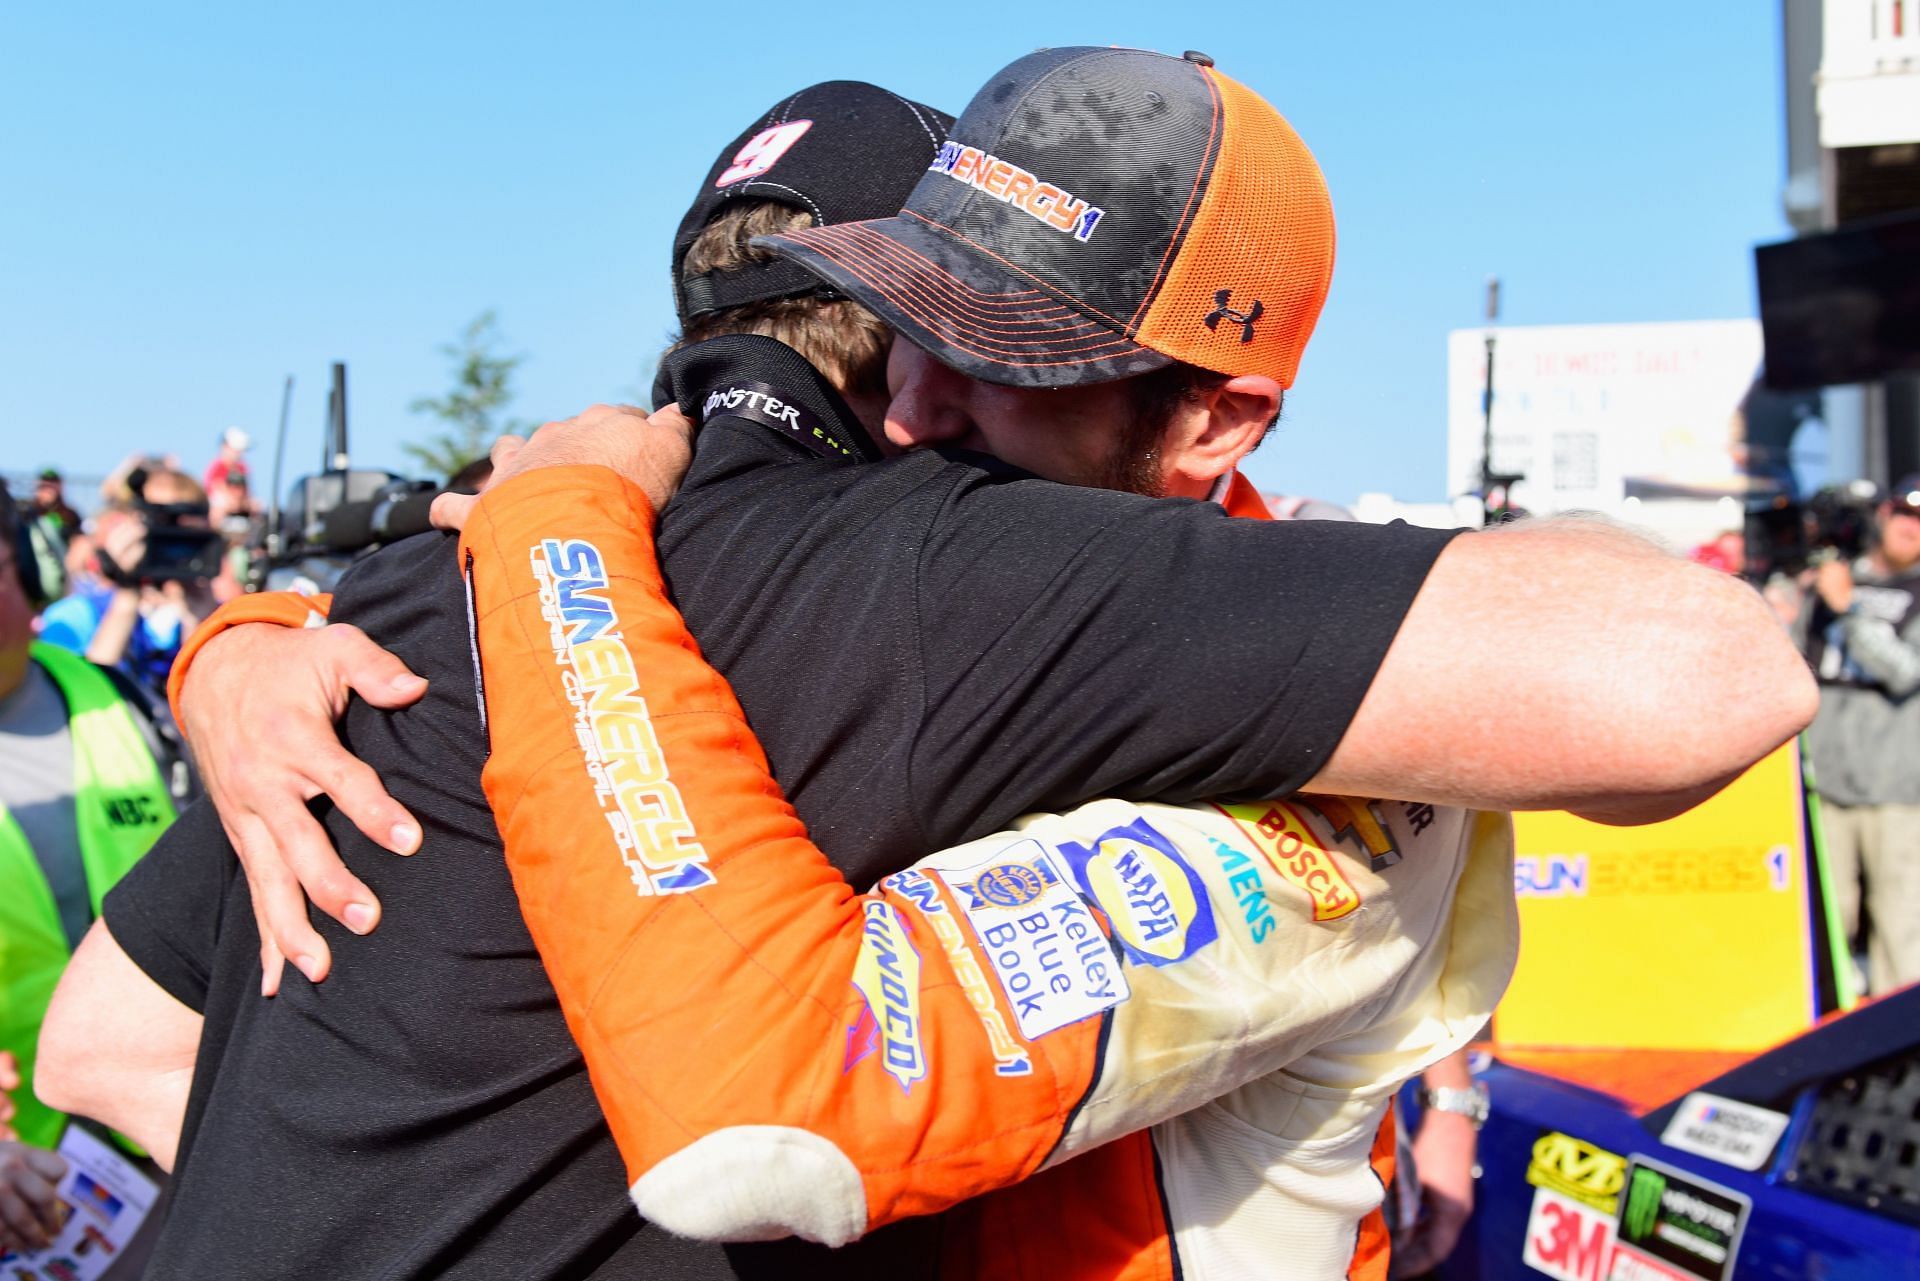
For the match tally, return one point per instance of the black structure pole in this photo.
(337, 402)
(1492, 513)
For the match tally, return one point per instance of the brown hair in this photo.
(842, 339)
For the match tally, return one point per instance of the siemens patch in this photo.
(1249, 888)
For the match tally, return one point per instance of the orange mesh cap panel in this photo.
(1264, 234)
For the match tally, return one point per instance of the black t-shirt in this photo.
(928, 647)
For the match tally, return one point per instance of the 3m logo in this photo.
(1564, 1164)
(1282, 833)
(763, 151)
(1567, 1240)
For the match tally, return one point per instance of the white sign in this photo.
(1567, 1240)
(1043, 944)
(103, 1201)
(1593, 414)
(1724, 1130)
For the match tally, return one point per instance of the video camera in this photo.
(180, 546)
(1785, 536)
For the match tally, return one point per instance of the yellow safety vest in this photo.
(121, 806)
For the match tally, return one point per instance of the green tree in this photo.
(472, 409)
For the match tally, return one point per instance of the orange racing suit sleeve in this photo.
(709, 959)
(286, 609)
(779, 1055)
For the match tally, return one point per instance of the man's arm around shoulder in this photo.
(1572, 664)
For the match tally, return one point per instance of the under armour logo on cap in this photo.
(1244, 319)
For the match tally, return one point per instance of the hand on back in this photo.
(650, 451)
(260, 701)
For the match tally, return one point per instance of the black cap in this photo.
(841, 151)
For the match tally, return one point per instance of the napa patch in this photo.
(1158, 906)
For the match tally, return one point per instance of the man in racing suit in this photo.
(994, 1010)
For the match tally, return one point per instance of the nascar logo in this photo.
(887, 974)
(1010, 184)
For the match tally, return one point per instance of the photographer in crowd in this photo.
(150, 582)
(1862, 624)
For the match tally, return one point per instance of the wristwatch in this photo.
(1471, 1102)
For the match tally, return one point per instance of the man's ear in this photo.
(1212, 434)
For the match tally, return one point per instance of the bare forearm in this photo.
(109, 643)
(1573, 665)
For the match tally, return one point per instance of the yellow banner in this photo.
(1691, 934)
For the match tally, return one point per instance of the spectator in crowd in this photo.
(111, 614)
(50, 501)
(231, 497)
(52, 526)
(1863, 638)
(85, 788)
(28, 1175)
(235, 512)
(234, 443)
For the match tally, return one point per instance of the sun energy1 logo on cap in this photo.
(1094, 214)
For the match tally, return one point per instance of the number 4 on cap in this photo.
(762, 151)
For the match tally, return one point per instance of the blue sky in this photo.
(197, 200)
